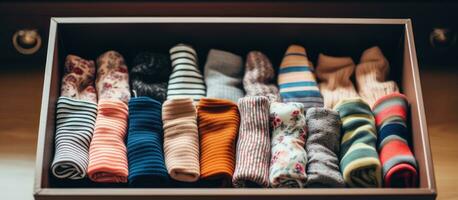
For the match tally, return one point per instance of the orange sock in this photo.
(107, 152)
(218, 127)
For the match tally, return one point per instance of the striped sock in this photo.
(253, 145)
(289, 158)
(181, 139)
(218, 127)
(359, 163)
(186, 79)
(144, 143)
(399, 164)
(296, 80)
(75, 122)
(107, 152)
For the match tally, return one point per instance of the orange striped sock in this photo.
(107, 152)
(218, 126)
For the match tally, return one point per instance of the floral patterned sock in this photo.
(112, 78)
(289, 158)
(78, 80)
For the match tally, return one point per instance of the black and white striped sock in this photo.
(186, 79)
(75, 120)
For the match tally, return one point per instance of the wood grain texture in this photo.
(20, 98)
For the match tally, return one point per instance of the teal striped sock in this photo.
(359, 163)
(296, 80)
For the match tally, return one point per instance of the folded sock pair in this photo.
(253, 144)
(259, 77)
(186, 79)
(223, 75)
(144, 143)
(296, 80)
(181, 139)
(289, 158)
(218, 121)
(75, 118)
(107, 152)
(359, 161)
(149, 75)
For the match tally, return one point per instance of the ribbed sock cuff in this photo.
(181, 139)
(253, 145)
(107, 152)
(144, 143)
(218, 127)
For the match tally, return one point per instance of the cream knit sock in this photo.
(371, 74)
(334, 74)
(181, 139)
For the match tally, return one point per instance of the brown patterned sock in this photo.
(259, 78)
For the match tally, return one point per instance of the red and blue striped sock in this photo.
(399, 164)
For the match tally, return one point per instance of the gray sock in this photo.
(322, 146)
(223, 75)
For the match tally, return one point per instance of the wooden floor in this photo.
(20, 96)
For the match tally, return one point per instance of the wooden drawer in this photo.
(89, 37)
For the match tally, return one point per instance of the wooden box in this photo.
(89, 37)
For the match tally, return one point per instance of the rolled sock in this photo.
(296, 80)
(149, 75)
(75, 122)
(181, 139)
(223, 75)
(112, 81)
(289, 158)
(78, 79)
(253, 145)
(371, 74)
(399, 164)
(218, 121)
(107, 152)
(144, 143)
(323, 126)
(260, 76)
(186, 79)
(334, 74)
(359, 163)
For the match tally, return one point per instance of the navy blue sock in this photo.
(144, 144)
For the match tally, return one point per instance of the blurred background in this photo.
(23, 43)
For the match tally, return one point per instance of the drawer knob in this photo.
(27, 41)
(442, 38)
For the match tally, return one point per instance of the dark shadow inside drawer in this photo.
(91, 40)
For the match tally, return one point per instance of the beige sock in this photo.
(371, 74)
(181, 139)
(334, 75)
